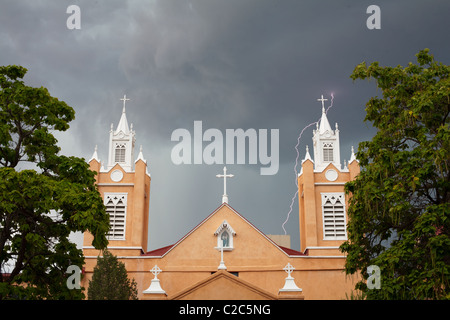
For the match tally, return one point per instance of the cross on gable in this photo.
(156, 270)
(225, 176)
(289, 268)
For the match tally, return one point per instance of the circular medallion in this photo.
(116, 175)
(331, 175)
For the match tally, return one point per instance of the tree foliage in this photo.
(110, 280)
(39, 207)
(399, 210)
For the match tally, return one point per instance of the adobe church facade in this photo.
(225, 256)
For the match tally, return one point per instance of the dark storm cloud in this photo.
(231, 64)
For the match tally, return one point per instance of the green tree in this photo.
(39, 207)
(110, 280)
(399, 209)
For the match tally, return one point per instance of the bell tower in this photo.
(125, 188)
(121, 142)
(326, 142)
(322, 201)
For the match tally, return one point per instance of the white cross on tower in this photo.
(323, 100)
(156, 270)
(224, 176)
(124, 99)
(289, 268)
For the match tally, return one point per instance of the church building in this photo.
(225, 256)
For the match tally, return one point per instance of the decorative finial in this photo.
(155, 286)
(289, 268)
(156, 270)
(289, 284)
(94, 155)
(307, 155)
(352, 157)
(140, 155)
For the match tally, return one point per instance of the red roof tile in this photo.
(158, 252)
(292, 252)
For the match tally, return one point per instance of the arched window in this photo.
(119, 153)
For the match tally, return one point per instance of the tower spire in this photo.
(123, 123)
(121, 142)
(324, 124)
(326, 142)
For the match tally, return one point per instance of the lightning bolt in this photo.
(296, 163)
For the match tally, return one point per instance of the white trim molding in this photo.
(330, 183)
(115, 184)
(116, 248)
(324, 248)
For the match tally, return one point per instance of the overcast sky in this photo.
(231, 64)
